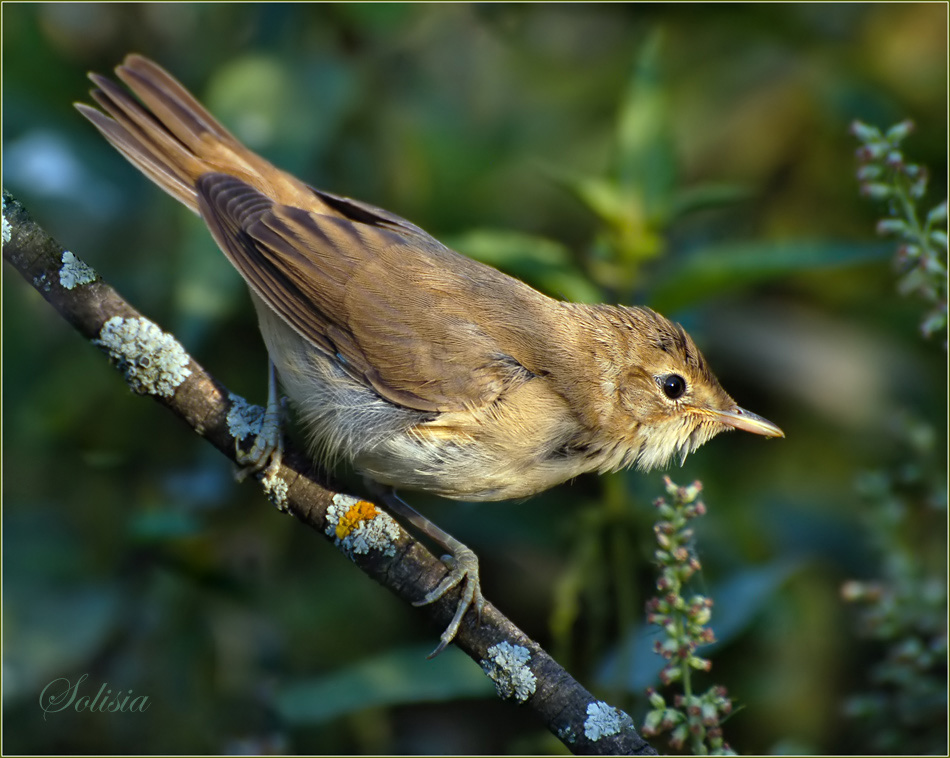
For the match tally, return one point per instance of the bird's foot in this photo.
(267, 452)
(463, 568)
(461, 561)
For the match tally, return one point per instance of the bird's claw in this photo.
(268, 448)
(463, 567)
(267, 452)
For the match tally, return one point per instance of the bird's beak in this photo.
(743, 420)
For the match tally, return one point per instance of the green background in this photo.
(691, 157)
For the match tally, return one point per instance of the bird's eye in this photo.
(674, 386)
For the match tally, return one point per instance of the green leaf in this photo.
(646, 161)
(938, 214)
(602, 197)
(630, 235)
(704, 196)
(722, 268)
(865, 132)
(396, 677)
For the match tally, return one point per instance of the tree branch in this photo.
(155, 364)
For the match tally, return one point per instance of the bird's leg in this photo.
(461, 561)
(268, 448)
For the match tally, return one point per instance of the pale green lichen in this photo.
(507, 667)
(603, 721)
(75, 272)
(153, 362)
(276, 490)
(244, 419)
(566, 734)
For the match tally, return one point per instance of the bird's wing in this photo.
(420, 324)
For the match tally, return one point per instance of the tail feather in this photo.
(147, 124)
(155, 167)
(169, 136)
(143, 141)
(176, 107)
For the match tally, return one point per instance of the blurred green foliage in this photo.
(903, 704)
(691, 157)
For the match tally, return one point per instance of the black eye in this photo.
(674, 386)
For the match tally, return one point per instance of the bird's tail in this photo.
(169, 135)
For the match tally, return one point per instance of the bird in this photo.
(420, 367)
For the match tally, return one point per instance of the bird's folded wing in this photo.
(398, 310)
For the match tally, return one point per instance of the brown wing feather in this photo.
(384, 301)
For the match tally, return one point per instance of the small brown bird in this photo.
(424, 369)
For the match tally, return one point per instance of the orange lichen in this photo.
(359, 512)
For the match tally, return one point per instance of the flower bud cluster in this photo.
(696, 719)
(884, 174)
